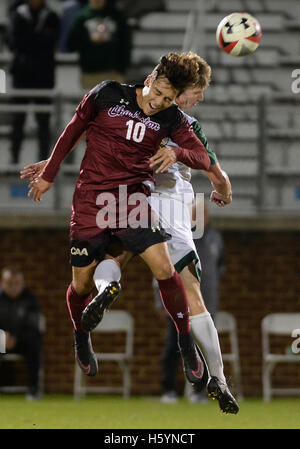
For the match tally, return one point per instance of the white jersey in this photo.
(171, 199)
(176, 181)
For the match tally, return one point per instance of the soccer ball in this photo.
(239, 34)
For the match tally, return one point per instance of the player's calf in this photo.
(84, 353)
(194, 365)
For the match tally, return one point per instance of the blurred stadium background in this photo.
(251, 117)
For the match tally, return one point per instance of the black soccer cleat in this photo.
(219, 390)
(93, 313)
(203, 382)
(193, 366)
(84, 353)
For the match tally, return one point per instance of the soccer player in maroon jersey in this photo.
(124, 126)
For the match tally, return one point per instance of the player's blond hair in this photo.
(182, 70)
(204, 72)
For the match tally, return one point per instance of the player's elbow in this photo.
(205, 163)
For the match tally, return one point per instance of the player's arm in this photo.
(190, 150)
(43, 182)
(222, 194)
(32, 171)
(67, 140)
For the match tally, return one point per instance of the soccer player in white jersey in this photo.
(173, 191)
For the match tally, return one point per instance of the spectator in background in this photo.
(210, 249)
(32, 35)
(69, 11)
(19, 318)
(101, 36)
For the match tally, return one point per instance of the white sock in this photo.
(106, 272)
(206, 335)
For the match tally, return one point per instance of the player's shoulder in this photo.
(190, 119)
(105, 87)
(109, 92)
(171, 117)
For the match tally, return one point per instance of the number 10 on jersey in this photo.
(135, 131)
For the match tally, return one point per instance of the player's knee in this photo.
(164, 271)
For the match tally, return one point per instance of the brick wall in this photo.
(262, 276)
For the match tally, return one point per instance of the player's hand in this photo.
(38, 187)
(166, 157)
(32, 171)
(220, 200)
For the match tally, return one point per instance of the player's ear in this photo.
(147, 81)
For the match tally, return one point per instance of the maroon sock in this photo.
(175, 301)
(76, 305)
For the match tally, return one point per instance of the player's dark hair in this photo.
(181, 70)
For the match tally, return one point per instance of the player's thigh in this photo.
(191, 283)
(82, 278)
(158, 260)
(117, 252)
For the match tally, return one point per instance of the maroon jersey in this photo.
(120, 139)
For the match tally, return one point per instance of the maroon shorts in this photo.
(100, 217)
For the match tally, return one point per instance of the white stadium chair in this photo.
(113, 321)
(277, 324)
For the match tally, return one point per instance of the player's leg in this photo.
(175, 302)
(202, 325)
(85, 253)
(185, 259)
(106, 279)
(79, 294)
(206, 335)
(88, 246)
(109, 270)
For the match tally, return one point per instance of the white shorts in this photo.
(175, 218)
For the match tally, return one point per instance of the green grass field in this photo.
(112, 412)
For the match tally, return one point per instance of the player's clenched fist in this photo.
(219, 199)
(38, 187)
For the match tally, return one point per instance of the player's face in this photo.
(190, 97)
(156, 96)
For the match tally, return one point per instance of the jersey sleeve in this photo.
(190, 151)
(85, 112)
(200, 134)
